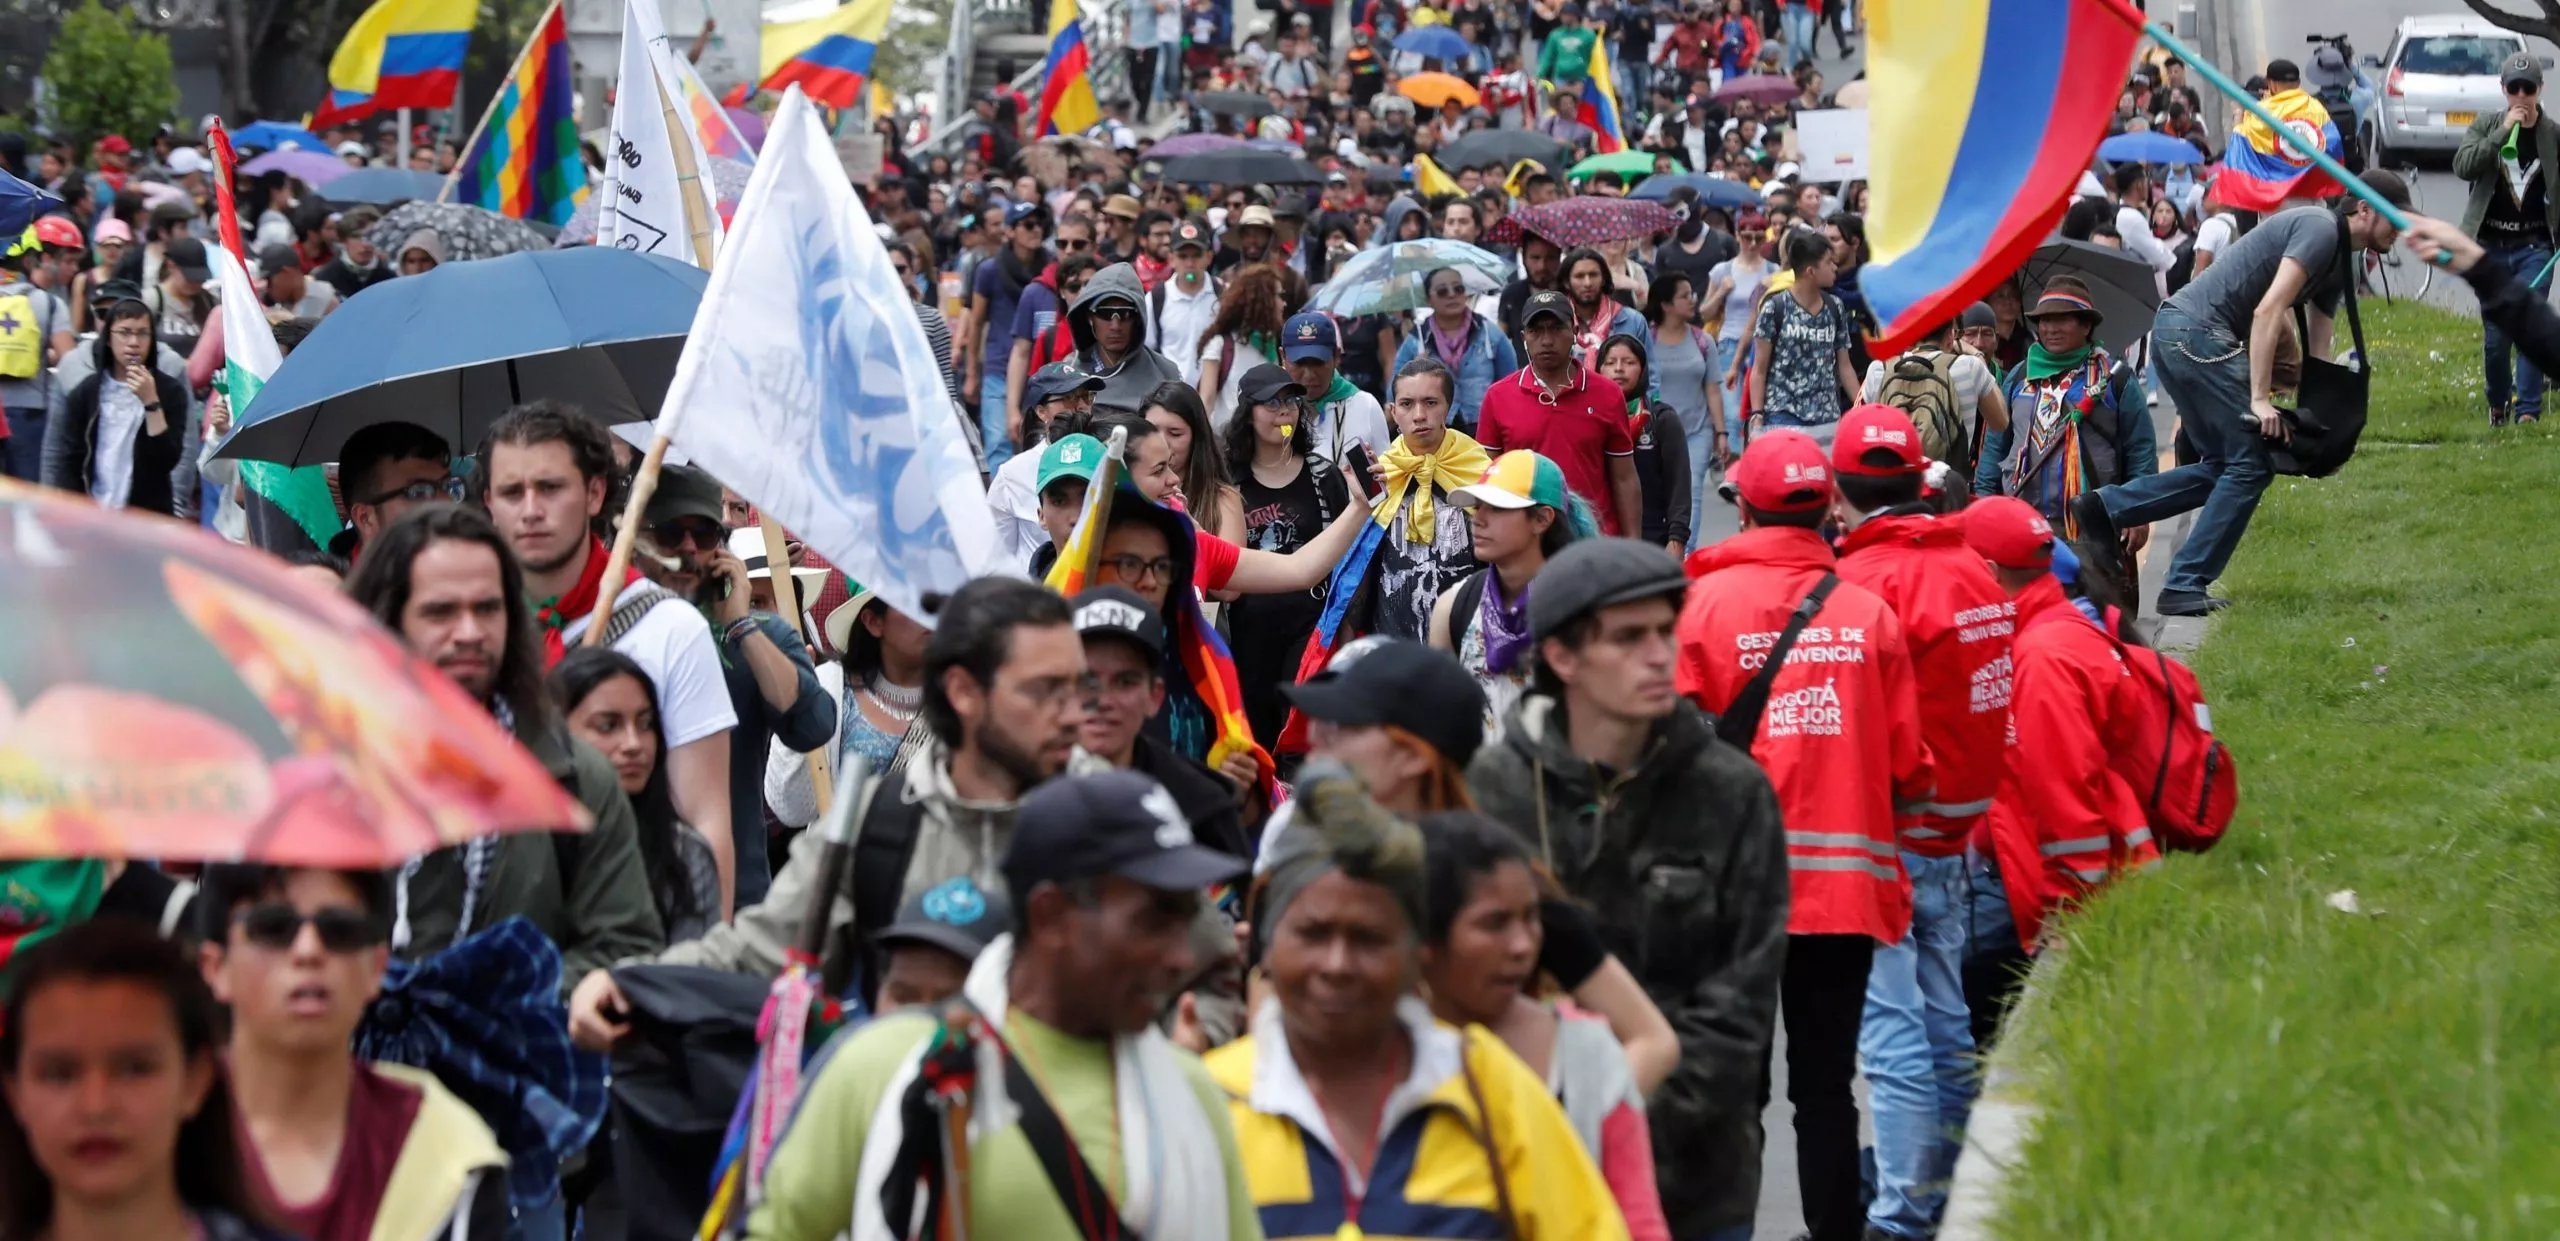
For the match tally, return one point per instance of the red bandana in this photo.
(557, 614)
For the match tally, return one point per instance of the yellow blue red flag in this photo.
(399, 54)
(1981, 116)
(1599, 103)
(829, 57)
(1067, 104)
(2259, 171)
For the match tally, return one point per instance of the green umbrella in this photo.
(1623, 163)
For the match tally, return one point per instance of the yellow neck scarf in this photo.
(1459, 463)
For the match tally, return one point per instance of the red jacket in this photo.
(1958, 623)
(2064, 822)
(1841, 737)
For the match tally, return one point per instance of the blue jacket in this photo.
(2136, 446)
(1488, 357)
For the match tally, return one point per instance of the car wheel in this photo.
(2378, 155)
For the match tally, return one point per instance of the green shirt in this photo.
(809, 1182)
(1567, 54)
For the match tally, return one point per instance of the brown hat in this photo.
(1120, 205)
(2065, 295)
(1254, 216)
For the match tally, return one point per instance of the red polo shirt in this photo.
(1578, 427)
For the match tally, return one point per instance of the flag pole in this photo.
(455, 177)
(2308, 149)
(786, 600)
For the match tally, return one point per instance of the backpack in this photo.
(2186, 778)
(1923, 385)
(21, 332)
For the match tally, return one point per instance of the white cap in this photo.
(184, 160)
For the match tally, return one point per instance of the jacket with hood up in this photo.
(1125, 385)
(1686, 857)
(1958, 623)
(1840, 738)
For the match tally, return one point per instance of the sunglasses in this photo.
(277, 926)
(1072, 244)
(422, 491)
(705, 535)
(2526, 89)
(1448, 290)
(1115, 314)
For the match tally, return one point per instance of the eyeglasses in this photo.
(142, 334)
(2526, 89)
(277, 926)
(1115, 314)
(422, 491)
(702, 534)
(1139, 568)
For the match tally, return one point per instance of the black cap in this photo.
(1115, 822)
(1591, 574)
(1189, 235)
(187, 255)
(1267, 383)
(278, 256)
(2521, 67)
(1979, 314)
(1380, 680)
(1545, 302)
(1119, 612)
(2282, 70)
(955, 915)
(683, 491)
(1055, 380)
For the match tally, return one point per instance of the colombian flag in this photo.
(828, 57)
(2259, 171)
(400, 54)
(525, 162)
(1982, 113)
(1600, 103)
(1066, 84)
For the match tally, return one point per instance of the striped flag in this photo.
(1067, 104)
(524, 161)
(827, 57)
(1075, 566)
(250, 357)
(399, 54)
(2259, 171)
(1599, 105)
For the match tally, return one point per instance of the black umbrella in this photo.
(1241, 166)
(2121, 286)
(1232, 103)
(1503, 148)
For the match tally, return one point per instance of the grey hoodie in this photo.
(1124, 387)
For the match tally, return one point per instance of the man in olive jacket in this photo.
(1672, 837)
(443, 578)
(2514, 210)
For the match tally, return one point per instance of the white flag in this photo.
(808, 387)
(646, 176)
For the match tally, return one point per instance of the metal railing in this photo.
(1106, 34)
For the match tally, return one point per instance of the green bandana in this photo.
(1342, 390)
(2044, 365)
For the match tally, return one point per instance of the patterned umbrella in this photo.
(468, 232)
(1585, 221)
(166, 694)
(1390, 278)
(1759, 88)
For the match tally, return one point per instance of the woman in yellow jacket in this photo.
(1357, 1114)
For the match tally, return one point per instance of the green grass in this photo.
(2225, 1055)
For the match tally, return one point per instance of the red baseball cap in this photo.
(2009, 532)
(1868, 429)
(1783, 472)
(115, 144)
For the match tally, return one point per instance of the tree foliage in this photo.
(108, 75)
(2544, 24)
(919, 32)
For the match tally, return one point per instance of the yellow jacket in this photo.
(449, 1160)
(1432, 1176)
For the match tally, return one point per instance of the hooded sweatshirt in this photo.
(1125, 385)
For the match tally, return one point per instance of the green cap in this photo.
(1071, 456)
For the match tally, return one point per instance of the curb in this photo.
(2003, 1116)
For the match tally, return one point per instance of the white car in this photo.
(2440, 75)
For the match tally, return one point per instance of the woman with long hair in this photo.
(1290, 494)
(119, 1124)
(1685, 358)
(612, 704)
(1482, 941)
(1662, 446)
(1244, 334)
(1215, 505)
(878, 685)
(123, 437)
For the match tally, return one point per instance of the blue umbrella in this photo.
(20, 204)
(456, 347)
(1713, 191)
(277, 136)
(2149, 148)
(1389, 278)
(384, 185)
(1437, 42)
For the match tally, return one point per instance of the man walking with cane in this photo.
(2512, 160)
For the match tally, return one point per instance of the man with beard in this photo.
(1597, 313)
(1104, 321)
(773, 688)
(1248, 240)
(443, 579)
(1154, 259)
(1004, 697)
(1541, 269)
(544, 474)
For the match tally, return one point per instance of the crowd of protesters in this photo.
(1573, 800)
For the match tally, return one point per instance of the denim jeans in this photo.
(1798, 23)
(991, 415)
(1169, 73)
(2527, 263)
(2206, 372)
(548, 1222)
(1916, 1046)
(1994, 961)
(24, 449)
